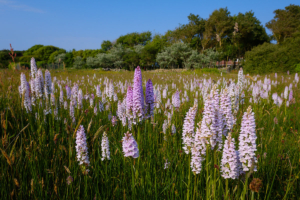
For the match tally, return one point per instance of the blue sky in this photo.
(85, 24)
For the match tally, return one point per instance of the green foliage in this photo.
(32, 49)
(250, 33)
(219, 23)
(106, 45)
(297, 68)
(78, 62)
(220, 37)
(38, 157)
(91, 62)
(4, 58)
(285, 23)
(41, 64)
(105, 60)
(52, 57)
(69, 59)
(174, 55)
(210, 70)
(133, 39)
(273, 58)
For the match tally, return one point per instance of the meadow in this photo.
(63, 135)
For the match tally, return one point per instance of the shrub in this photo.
(268, 58)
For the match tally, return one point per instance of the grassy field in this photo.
(38, 154)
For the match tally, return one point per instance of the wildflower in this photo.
(164, 93)
(173, 129)
(129, 145)
(33, 67)
(291, 95)
(149, 98)
(265, 155)
(69, 180)
(92, 100)
(101, 107)
(114, 120)
(48, 82)
(225, 105)
(98, 91)
(79, 99)
(286, 92)
(81, 147)
(115, 97)
(109, 115)
(65, 105)
(95, 110)
(107, 106)
(241, 80)
(61, 96)
(72, 110)
(129, 103)
(111, 90)
(25, 91)
(52, 99)
(176, 100)
(137, 97)
(157, 98)
(188, 129)
(209, 122)
(229, 166)
(69, 93)
(198, 150)
(23, 83)
(105, 147)
(247, 138)
(167, 164)
(32, 90)
(165, 127)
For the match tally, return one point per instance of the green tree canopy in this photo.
(133, 39)
(219, 26)
(250, 32)
(285, 22)
(106, 45)
(32, 49)
(174, 55)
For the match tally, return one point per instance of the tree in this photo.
(151, 49)
(92, 62)
(32, 49)
(132, 59)
(190, 33)
(219, 25)
(249, 32)
(195, 60)
(133, 39)
(117, 53)
(52, 57)
(106, 45)
(268, 58)
(165, 59)
(78, 62)
(105, 60)
(285, 22)
(211, 56)
(176, 54)
(69, 59)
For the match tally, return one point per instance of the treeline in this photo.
(283, 56)
(197, 44)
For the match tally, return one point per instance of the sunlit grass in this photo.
(38, 153)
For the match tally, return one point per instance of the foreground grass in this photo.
(38, 152)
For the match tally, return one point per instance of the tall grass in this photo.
(38, 152)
